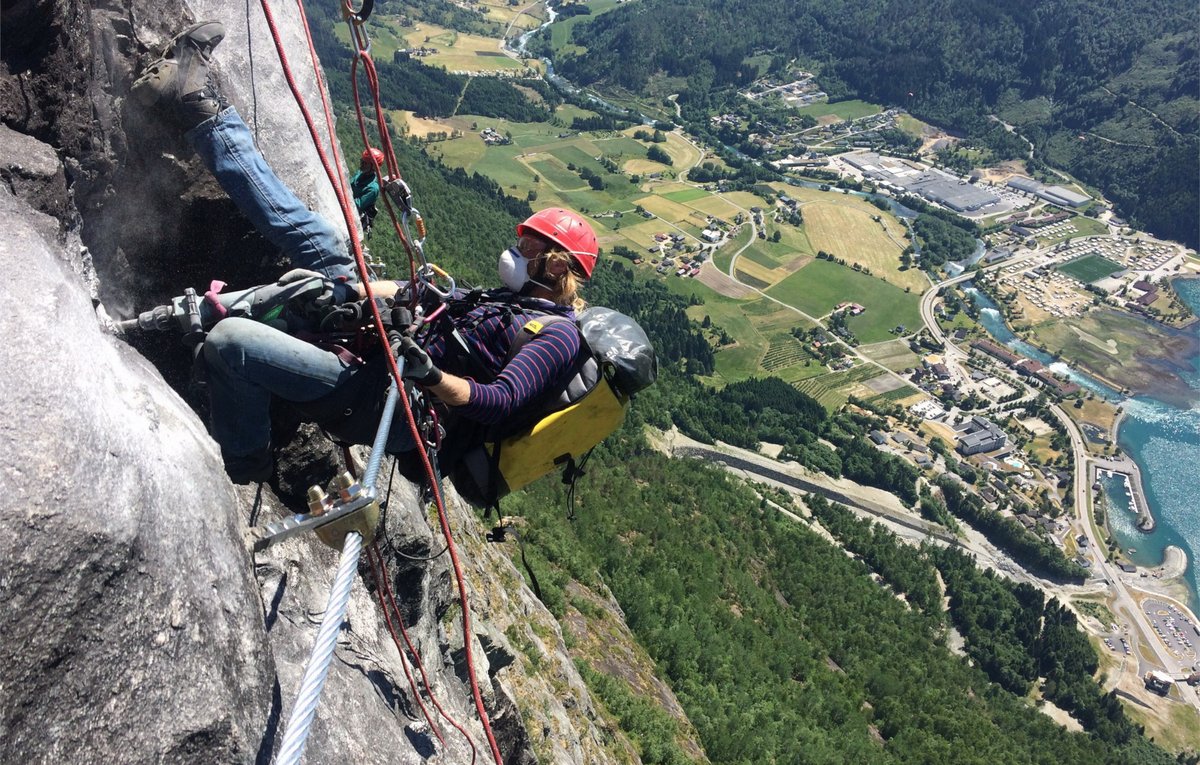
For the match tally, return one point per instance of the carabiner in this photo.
(360, 16)
(426, 274)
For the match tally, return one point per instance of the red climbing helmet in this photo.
(567, 230)
(369, 153)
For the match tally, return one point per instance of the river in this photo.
(1163, 439)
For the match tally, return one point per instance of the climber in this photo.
(364, 185)
(250, 363)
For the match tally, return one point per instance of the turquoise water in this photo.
(993, 322)
(1164, 440)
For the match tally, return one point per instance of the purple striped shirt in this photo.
(546, 362)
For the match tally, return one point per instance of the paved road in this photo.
(1125, 606)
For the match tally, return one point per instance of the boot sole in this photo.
(210, 39)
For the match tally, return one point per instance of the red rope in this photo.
(386, 583)
(403, 662)
(412, 683)
(342, 187)
(385, 140)
(443, 519)
(364, 276)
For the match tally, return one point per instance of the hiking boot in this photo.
(181, 81)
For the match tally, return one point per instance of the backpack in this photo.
(488, 462)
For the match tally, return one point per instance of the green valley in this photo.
(792, 294)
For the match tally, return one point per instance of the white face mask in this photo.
(514, 270)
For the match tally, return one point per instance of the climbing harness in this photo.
(561, 434)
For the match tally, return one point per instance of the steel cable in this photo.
(295, 735)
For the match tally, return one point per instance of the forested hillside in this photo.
(780, 647)
(405, 83)
(783, 649)
(1107, 91)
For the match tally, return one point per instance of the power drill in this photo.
(195, 314)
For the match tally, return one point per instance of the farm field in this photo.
(761, 329)
(423, 127)
(903, 396)
(894, 354)
(724, 255)
(835, 388)
(686, 195)
(1090, 268)
(821, 285)
(527, 16)
(554, 173)
(560, 32)
(844, 225)
(461, 52)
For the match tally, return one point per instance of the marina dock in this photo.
(1129, 470)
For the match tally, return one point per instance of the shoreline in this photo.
(1165, 580)
(1167, 394)
(1187, 277)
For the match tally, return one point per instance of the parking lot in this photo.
(1175, 630)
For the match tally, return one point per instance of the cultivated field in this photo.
(845, 225)
(893, 354)
(539, 160)
(821, 285)
(833, 389)
(460, 52)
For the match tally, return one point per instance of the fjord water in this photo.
(1162, 438)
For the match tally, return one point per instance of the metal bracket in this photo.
(277, 531)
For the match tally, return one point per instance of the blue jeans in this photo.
(227, 149)
(249, 362)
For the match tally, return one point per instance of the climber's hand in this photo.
(418, 367)
(322, 293)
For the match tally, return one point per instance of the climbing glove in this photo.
(417, 365)
(322, 293)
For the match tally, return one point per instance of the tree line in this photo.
(777, 645)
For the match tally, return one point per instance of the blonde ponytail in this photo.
(566, 289)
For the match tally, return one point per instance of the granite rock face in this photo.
(140, 626)
(130, 629)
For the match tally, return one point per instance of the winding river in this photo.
(1163, 438)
